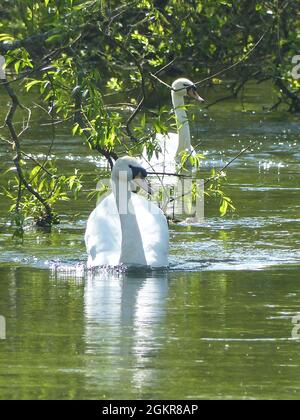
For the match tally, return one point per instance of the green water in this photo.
(218, 324)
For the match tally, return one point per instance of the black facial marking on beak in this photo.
(192, 87)
(138, 172)
(193, 93)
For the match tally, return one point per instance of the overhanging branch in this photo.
(78, 118)
(17, 148)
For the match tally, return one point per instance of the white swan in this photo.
(125, 228)
(173, 145)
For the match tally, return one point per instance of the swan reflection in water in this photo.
(124, 314)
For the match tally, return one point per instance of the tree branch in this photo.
(17, 147)
(110, 156)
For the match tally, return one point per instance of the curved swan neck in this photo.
(182, 123)
(132, 249)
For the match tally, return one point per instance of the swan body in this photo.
(126, 228)
(173, 145)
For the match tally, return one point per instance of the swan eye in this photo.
(191, 87)
(138, 172)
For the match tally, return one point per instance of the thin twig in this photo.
(45, 61)
(155, 75)
(164, 67)
(161, 81)
(206, 181)
(17, 147)
(30, 157)
(235, 64)
(42, 166)
(211, 178)
(26, 126)
(244, 58)
(169, 174)
(78, 117)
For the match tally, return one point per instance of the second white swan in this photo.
(173, 145)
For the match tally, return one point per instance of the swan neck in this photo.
(183, 127)
(132, 249)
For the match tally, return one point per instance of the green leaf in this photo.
(199, 7)
(143, 121)
(35, 171)
(75, 129)
(55, 37)
(224, 207)
(115, 84)
(17, 66)
(6, 37)
(29, 85)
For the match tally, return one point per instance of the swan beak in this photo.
(142, 183)
(195, 95)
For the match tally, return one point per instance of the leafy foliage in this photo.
(83, 57)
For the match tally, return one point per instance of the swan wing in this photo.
(103, 236)
(168, 158)
(154, 230)
(166, 161)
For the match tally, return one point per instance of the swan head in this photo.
(184, 87)
(128, 170)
